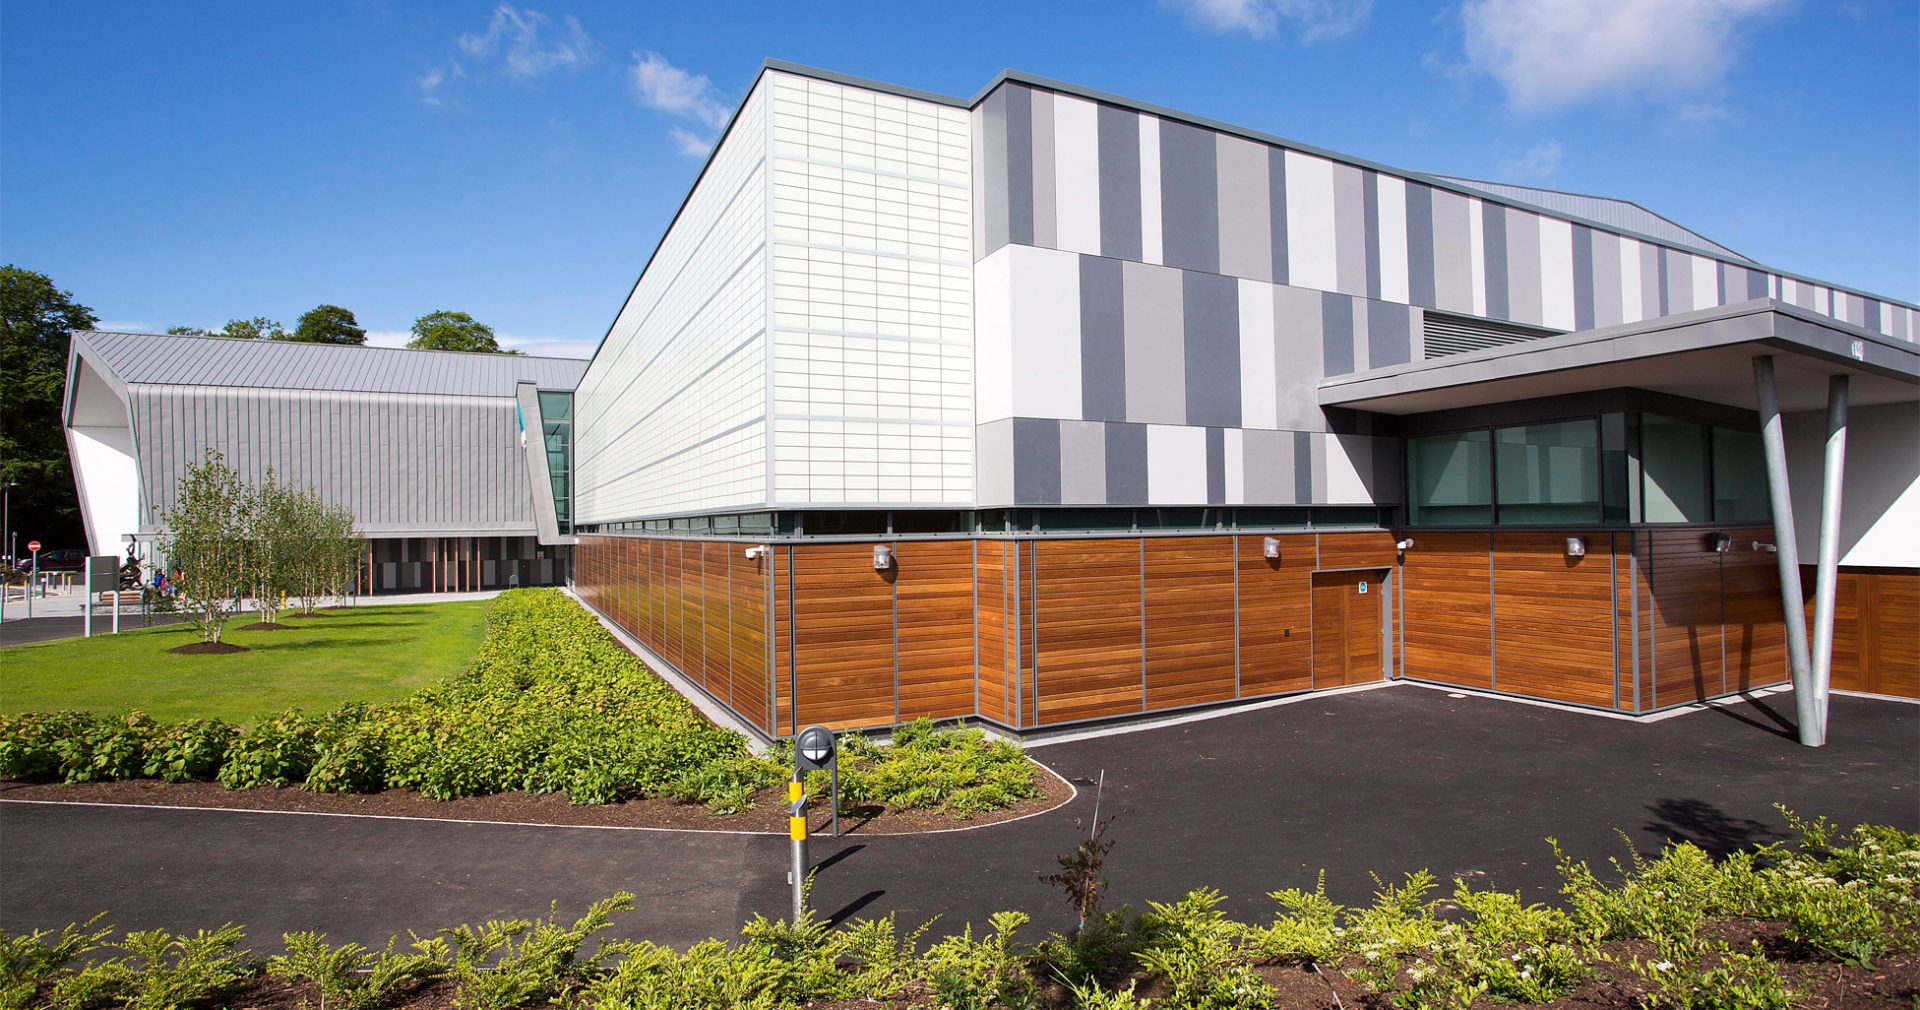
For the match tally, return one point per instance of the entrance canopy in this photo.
(1705, 355)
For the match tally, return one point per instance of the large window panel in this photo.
(1673, 471)
(1739, 477)
(1449, 479)
(1548, 473)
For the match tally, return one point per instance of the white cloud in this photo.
(690, 143)
(388, 338)
(661, 86)
(1551, 54)
(1315, 20)
(546, 347)
(126, 326)
(1536, 164)
(667, 89)
(531, 44)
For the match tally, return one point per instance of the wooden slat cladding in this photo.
(1189, 621)
(747, 634)
(1348, 611)
(990, 632)
(842, 637)
(1685, 619)
(783, 720)
(1276, 623)
(1630, 620)
(1553, 617)
(1876, 630)
(1356, 550)
(1447, 609)
(934, 589)
(1087, 621)
(1753, 636)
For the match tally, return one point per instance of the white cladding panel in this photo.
(872, 313)
(672, 414)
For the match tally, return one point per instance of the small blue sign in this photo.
(1363, 589)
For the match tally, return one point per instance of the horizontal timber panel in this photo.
(1087, 628)
(1276, 603)
(1553, 617)
(1189, 621)
(936, 615)
(843, 637)
(1447, 599)
(1357, 550)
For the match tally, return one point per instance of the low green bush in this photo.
(963, 772)
(1484, 948)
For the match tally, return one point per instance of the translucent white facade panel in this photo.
(672, 414)
(872, 296)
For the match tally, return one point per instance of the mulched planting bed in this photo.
(769, 813)
(266, 626)
(208, 649)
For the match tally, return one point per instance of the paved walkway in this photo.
(1390, 780)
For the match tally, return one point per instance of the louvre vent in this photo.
(1459, 334)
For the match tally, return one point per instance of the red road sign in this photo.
(33, 545)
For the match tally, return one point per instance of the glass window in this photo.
(1449, 479)
(931, 521)
(1548, 473)
(847, 523)
(1251, 519)
(1057, 520)
(1739, 477)
(1346, 515)
(556, 406)
(1673, 471)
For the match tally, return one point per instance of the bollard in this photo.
(797, 829)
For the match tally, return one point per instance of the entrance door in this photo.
(1347, 619)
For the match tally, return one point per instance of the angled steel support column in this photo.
(1827, 574)
(1787, 551)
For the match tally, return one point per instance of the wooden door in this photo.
(1347, 616)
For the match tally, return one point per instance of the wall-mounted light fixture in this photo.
(1721, 542)
(755, 552)
(1270, 547)
(1404, 545)
(882, 557)
(1576, 547)
(1769, 548)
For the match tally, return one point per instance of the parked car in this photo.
(65, 559)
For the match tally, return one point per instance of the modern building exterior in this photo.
(426, 447)
(1045, 406)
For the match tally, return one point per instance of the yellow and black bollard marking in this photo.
(797, 830)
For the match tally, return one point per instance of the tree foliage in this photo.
(446, 330)
(205, 544)
(35, 320)
(257, 328)
(328, 324)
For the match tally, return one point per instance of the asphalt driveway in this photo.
(1388, 780)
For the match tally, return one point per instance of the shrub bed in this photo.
(551, 704)
(1835, 912)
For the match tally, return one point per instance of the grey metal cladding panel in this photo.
(1493, 231)
(1621, 214)
(1370, 186)
(1036, 461)
(1389, 334)
(272, 364)
(1582, 277)
(1019, 160)
(1119, 183)
(1420, 279)
(1277, 209)
(1210, 308)
(1303, 467)
(1336, 333)
(1216, 466)
(1103, 346)
(1126, 447)
(1189, 197)
(1046, 216)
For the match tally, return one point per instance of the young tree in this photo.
(452, 331)
(188, 331)
(35, 320)
(275, 537)
(257, 328)
(328, 324)
(328, 557)
(205, 544)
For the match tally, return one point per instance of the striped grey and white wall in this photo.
(1158, 300)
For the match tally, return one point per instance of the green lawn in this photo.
(368, 653)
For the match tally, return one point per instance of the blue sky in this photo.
(187, 163)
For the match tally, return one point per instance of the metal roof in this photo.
(165, 359)
(1622, 214)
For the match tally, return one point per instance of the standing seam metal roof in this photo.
(167, 359)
